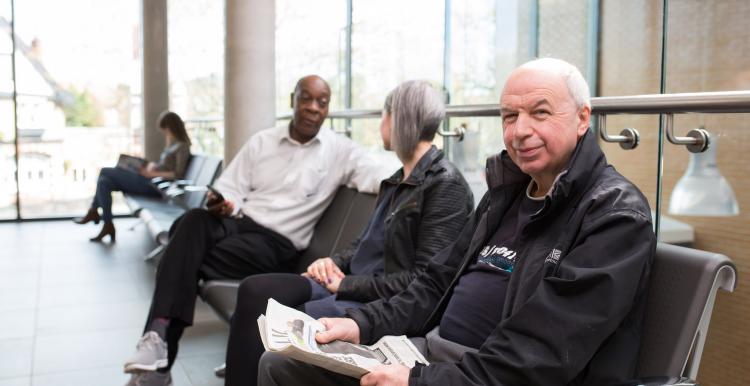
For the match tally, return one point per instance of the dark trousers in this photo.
(245, 347)
(203, 246)
(116, 179)
(276, 369)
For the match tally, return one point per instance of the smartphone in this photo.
(217, 196)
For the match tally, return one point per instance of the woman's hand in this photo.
(149, 171)
(325, 272)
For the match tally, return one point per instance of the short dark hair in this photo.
(172, 122)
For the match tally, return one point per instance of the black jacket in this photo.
(434, 204)
(575, 301)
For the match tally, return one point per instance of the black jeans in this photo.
(245, 347)
(205, 246)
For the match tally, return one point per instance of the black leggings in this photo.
(245, 347)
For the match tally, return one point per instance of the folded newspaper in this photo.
(289, 332)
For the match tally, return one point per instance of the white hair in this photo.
(574, 80)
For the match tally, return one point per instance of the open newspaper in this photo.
(292, 333)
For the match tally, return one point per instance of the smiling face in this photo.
(541, 123)
(310, 105)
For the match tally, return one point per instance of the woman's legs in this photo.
(245, 347)
(115, 179)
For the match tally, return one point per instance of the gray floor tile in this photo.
(101, 376)
(18, 299)
(81, 294)
(84, 274)
(69, 352)
(22, 381)
(200, 369)
(20, 263)
(17, 324)
(15, 357)
(91, 317)
(18, 279)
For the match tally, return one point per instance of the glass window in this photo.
(196, 70)
(7, 127)
(707, 50)
(78, 76)
(389, 47)
(310, 39)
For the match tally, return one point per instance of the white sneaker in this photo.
(150, 354)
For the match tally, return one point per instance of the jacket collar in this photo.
(428, 163)
(585, 164)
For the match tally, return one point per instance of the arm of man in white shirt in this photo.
(363, 171)
(235, 181)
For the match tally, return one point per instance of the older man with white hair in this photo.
(545, 286)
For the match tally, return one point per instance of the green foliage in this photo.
(83, 111)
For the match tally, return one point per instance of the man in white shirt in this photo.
(274, 191)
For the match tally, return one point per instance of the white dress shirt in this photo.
(285, 186)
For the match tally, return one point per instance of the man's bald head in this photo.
(574, 80)
(310, 79)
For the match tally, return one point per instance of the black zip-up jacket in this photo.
(575, 301)
(434, 203)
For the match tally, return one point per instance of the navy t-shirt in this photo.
(476, 306)
(368, 257)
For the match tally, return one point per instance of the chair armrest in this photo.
(159, 180)
(660, 381)
(183, 182)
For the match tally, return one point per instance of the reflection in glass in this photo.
(702, 190)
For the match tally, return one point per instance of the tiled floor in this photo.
(71, 311)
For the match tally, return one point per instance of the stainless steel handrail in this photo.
(702, 102)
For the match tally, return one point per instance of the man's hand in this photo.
(338, 329)
(218, 208)
(325, 272)
(390, 375)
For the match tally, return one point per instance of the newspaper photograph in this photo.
(290, 332)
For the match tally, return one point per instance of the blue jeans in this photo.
(323, 303)
(116, 179)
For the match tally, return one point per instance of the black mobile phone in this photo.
(217, 196)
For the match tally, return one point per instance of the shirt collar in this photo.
(320, 138)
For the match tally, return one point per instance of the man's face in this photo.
(310, 108)
(541, 124)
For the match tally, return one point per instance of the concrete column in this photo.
(249, 74)
(155, 73)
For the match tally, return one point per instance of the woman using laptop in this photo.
(136, 180)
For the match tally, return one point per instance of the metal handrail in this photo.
(702, 102)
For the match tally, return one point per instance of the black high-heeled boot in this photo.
(91, 215)
(107, 229)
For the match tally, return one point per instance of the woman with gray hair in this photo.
(418, 212)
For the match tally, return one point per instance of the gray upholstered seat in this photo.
(158, 213)
(340, 224)
(684, 283)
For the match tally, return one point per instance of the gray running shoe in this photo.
(150, 354)
(150, 378)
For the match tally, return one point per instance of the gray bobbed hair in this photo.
(416, 110)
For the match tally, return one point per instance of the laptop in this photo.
(131, 163)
